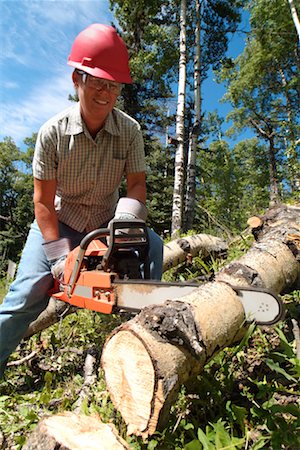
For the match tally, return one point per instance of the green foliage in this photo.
(16, 190)
(159, 188)
(263, 88)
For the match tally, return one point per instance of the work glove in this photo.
(127, 209)
(56, 252)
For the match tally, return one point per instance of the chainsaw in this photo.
(109, 272)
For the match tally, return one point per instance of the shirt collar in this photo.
(76, 125)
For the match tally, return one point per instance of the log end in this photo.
(131, 382)
(255, 222)
(74, 432)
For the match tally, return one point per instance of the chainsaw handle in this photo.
(117, 224)
(100, 232)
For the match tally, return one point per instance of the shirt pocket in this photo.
(119, 155)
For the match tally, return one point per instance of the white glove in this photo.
(130, 208)
(127, 209)
(56, 252)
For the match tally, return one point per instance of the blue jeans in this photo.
(27, 296)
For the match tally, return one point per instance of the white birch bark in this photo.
(191, 167)
(295, 16)
(179, 157)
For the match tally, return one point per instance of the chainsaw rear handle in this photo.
(136, 239)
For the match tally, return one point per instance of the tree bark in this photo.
(147, 359)
(175, 252)
(179, 156)
(204, 245)
(68, 431)
(193, 141)
(295, 17)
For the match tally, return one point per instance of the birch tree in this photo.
(295, 16)
(179, 156)
(192, 152)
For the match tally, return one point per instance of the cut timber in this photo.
(175, 252)
(178, 251)
(254, 222)
(144, 370)
(69, 431)
(147, 359)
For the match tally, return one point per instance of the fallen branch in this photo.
(204, 245)
(26, 358)
(89, 378)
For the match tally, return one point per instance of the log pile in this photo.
(147, 359)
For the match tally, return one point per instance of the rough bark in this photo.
(69, 431)
(175, 252)
(147, 359)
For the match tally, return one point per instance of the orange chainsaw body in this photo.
(93, 288)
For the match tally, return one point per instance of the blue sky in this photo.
(35, 41)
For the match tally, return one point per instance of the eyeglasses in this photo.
(100, 83)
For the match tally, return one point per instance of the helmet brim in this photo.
(108, 74)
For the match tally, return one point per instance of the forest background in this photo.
(199, 178)
(229, 177)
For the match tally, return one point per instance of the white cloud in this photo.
(36, 38)
(9, 85)
(44, 27)
(20, 119)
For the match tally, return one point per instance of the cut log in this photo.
(175, 252)
(69, 431)
(204, 245)
(147, 359)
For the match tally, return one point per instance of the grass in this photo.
(246, 398)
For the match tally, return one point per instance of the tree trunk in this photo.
(192, 155)
(274, 193)
(291, 141)
(147, 359)
(175, 252)
(203, 245)
(179, 157)
(295, 17)
(68, 431)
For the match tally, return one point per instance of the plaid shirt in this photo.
(88, 172)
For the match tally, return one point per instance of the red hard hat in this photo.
(99, 51)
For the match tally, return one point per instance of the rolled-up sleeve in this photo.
(44, 165)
